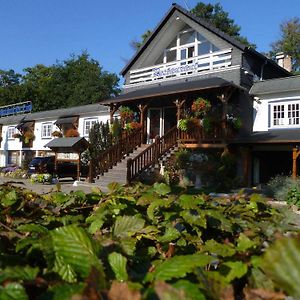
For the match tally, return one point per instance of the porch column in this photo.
(179, 104)
(246, 157)
(296, 153)
(143, 108)
(224, 97)
(113, 108)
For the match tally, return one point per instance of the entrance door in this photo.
(159, 121)
(154, 124)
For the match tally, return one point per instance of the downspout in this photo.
(262, 70)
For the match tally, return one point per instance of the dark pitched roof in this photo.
(277, 85)
(172, 88)
(68, 144)
(279, 136)
(204, 24)
(55, 113)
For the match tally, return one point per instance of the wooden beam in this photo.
(296, 153)
(202, 145)
(113, 108)
(143, 108)
(179, 104)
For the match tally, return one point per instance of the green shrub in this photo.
(280, 186)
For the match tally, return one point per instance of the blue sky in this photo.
(44, 31)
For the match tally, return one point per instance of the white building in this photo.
(42, 125)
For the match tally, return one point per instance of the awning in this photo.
(171, 88)
(68, 145)
(66, 120)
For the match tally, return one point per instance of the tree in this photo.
(289, 42)
(213, 14)
(79, 80)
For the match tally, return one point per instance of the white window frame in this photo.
(194, 44)
(11, 130)
(287, 118)
(46, 130)
(88, 124)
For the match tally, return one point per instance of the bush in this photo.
(280, 186)
(41, 178)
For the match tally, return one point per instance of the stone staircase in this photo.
(119, 172)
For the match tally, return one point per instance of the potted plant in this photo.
(234, 122)
(57, 133)
(28, 136)
(201, 107)
(72, 132)
(126, 114)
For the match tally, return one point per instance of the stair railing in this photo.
(151, 154)
(114, 154)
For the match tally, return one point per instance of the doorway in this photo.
(159, 121)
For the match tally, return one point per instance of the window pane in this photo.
(173, 43)
(204, 48)
(171, 55)
(187, 37)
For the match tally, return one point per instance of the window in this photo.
(46, 130)
(285, 114)
(188, 43)
(278, 115)
(10, 132)
(88, 124)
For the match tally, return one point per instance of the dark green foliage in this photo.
(293, 197)
(143, 242)
(76, 81)
(214, 14)
(289, 42)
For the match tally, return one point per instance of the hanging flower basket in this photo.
(57, 133)
(201, 107)
(72, 133)
(126, 114)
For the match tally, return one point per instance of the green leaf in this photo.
(9, 199)
(216, 248)
(190, 201)
(168, 292)
(170, 235)
(179, 266)
(64, 270)
(127, 226)
(18, 273)
(74, 248)
(282, 264)
(191, 290)
(156, 205)
(64, 291)
(32, 228)
(193, 219)
(118, 264)
(13, 291)
(244, 243)
(161, 189)
(128, 245)
(237, 270)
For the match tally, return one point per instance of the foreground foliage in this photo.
(144, 243)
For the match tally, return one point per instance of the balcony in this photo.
(182, 68)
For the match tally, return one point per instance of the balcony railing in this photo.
(185, 67)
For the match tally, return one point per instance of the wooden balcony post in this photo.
(179, 104)
(143, 109)
(296, 153)
(246, 156)
(113, 109)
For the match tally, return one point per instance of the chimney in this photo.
(284, 61)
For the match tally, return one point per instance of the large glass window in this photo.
(278, 115)
(46, 130)
(188, 43)
(293, 114)
(88, 124)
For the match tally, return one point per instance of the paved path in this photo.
(65, 184)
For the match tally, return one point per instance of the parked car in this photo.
(46, 164)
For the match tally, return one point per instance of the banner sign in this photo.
(16, 109)
(67, 156)
(167, 71)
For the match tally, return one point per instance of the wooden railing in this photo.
(151, 154)
(114, 154)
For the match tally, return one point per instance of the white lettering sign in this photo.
(167, 71)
